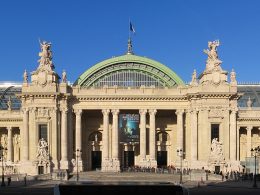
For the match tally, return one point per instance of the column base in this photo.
(64, 164)
(144, 163)
(110, 165)
(27, 167)
(152, 163)
(79, 166)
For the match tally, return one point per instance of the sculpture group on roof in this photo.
(213, 62)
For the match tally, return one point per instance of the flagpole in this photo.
(129, 33)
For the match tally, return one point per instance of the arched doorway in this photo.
(96, 154)
(162, 155)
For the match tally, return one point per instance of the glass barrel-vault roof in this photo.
(8, 91)
(252, 91)
(129, 71)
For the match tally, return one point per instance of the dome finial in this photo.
(129, 46)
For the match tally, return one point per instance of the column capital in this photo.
(32, 110)
(78, 112)
(105, 111)
(249, 128)
(152, 111)
(115, 111)
(142, 111)
(179, 111)
(64, 110)
(25, 110)
(233, 111)
(9, 128)
(194, 111)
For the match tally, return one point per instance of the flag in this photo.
(132, 27)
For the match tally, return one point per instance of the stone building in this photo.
(128, 111)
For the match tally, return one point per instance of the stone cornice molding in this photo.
(11, 120)
(212, 95)
(129, 98)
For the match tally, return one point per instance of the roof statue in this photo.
(64, 77)
(9, 103)
(233, 80)
(45, 62)
(25, 77)
(249, 103)
(194, 80)
(213, 62)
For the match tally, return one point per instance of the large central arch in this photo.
(129, 71)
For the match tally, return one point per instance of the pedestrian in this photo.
(25, 180)
(9, 180)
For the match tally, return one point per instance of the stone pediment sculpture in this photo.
(213, 62)
(45, 73)
(216, 152)
(42, 152)
(213, 74)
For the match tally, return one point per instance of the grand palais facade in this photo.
(128, 111)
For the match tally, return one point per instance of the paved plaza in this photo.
(194, 187)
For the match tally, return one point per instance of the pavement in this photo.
(194, 187)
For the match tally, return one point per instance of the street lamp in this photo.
(255, 152)
(78, 153)
(180, 154)
(2, 158)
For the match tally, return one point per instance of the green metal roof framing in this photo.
(128, 58)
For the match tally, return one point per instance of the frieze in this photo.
(132, 98)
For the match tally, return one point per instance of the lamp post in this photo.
(180, 154)
(78, 153)
(2, 159)
(255, 152)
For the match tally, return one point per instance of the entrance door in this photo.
(96, 160)
(161, 158)
(40, 170)
(129, 159)
(217, 169)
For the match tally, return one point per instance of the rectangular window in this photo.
(43, 132)
(214, 131)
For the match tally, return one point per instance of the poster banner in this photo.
(129, 127)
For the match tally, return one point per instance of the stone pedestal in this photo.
(64, 165)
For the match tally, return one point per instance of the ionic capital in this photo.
(9, 128)
(152, 111)
(179, 112)
(142, 111)
(105, 111)
(78, 112)
(115, 111)
(249, 128)
(64, 110)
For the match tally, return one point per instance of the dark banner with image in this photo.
(129, 127)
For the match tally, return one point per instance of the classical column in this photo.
(194, 135)
(78, 113)
(105, 135)
(25, 137)
(64, 139)
(248, 141)
(152, 142)
(10, 144)
(143, 134)
(179, 114)
(233, 135)
(115, 134)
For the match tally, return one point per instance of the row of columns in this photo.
(115, 142)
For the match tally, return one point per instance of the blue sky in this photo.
(173, 32)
